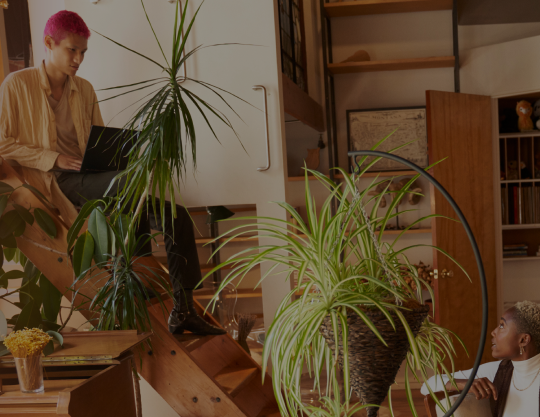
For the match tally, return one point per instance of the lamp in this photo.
(217, 213)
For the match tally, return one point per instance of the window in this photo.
(293, 48)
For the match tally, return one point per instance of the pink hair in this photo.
(64, 22)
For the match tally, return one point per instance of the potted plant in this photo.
(352, 307)
(166, 140)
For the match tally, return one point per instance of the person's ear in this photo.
(49, 42)
(525, 339)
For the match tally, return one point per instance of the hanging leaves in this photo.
(99, 229)
(83, 253)
(10, 222)
(5, 188)
(52, 299)
(24, 213)
(45, 222)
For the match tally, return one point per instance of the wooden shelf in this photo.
(392, 65)
(367, 7)
(522, 258)
(366, 175)
(518, 181)
(529, 134)
(520, 226)
(390, 232)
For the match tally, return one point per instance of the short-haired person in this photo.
(45, 119)
(513, 383)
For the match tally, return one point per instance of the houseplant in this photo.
(346, 275)
(166, 139)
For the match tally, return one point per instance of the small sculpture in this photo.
(512, 173)
(379, 189)
(525, 172)
(358, 56)
(524, 111)
(414, 191)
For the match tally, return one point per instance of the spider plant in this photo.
(341, 266)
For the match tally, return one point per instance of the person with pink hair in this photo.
(45, 118)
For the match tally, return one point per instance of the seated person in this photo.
(512, 383)
(45, 119)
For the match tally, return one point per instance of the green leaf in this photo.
(83, 253)
(45, 222)
(9, 242)
(57, 337)
(25, 214)
(1, 256)
(99, 229)
(15, 274)
(3, 325)
(5, 188)
(29, 317)
(13, 320)
(19, 230)
(9, 222)
(47, 325)
(3, 203)
(49, 348)
(52, 299)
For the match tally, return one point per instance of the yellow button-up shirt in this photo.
(28, 128)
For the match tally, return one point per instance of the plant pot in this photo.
(30, 374)
(373, 366)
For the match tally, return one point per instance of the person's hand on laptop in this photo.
(68, 162)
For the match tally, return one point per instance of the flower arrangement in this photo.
(27, 342)
(27, 345)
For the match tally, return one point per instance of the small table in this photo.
(90, 376)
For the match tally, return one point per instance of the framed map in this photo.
(367, 127)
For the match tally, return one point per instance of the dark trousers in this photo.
(182, 257)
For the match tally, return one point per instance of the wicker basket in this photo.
(372, 365)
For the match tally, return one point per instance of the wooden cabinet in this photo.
(459, 131)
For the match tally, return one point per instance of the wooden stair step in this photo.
(232, 378)
(191, 342)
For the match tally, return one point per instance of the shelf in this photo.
(366, 175)
(529, 134)
(523, 258)
(518, 181)
(520, 226)
(367, 7)
(392, 65)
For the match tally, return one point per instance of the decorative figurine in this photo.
(525, 172)
(381, 188)
(524, 111)
(512, 173)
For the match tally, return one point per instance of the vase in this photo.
(30, 374)
(372, 365)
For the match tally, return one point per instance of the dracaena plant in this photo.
(165, 142)
(338, 267)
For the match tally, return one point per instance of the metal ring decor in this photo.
(476, 251)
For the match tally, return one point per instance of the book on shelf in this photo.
(504, 205)
(515, 254)
(516, 246)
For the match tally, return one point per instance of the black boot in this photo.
(184, 317)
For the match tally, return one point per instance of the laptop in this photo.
(102, 153)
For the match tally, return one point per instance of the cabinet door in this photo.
(459, 129)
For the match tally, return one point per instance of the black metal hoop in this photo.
(476, 251)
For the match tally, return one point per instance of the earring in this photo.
(521, 350)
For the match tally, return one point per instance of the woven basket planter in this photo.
(373, 366)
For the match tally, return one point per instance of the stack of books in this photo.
(515, 251)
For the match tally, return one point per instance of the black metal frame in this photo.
(477, 255)
(293, 42)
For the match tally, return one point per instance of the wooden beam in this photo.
(301, 106)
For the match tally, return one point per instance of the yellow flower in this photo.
(27, 342)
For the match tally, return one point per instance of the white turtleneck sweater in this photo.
(518, 403)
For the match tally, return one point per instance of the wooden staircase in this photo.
(197, 375)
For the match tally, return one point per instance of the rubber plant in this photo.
(349, 281)
(39, 300)
(165, 141)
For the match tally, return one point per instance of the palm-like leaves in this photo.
(337, 269)
(166, 138)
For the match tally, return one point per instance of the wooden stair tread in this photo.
(191, 342)
(232, 378)
(392, 65)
